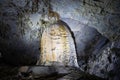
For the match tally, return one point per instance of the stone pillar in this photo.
(57, 46)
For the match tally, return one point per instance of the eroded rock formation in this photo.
(95, 25)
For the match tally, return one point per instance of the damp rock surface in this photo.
(94, 24)
(61, 48)
(102, 15)
(11, 73)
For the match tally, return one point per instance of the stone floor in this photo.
(45, 73)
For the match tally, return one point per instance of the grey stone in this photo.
(95, 25)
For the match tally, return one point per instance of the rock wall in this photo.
(57, 46)
(103, 15)
(94, 25)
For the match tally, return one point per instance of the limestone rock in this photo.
(57, 45)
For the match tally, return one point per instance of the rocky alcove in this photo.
(89, 30)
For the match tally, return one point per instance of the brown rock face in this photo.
(57, 46)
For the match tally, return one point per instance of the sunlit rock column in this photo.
(57, 46)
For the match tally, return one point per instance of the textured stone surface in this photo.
(57, 45)
(45, 73)
(106, 62)
(98, 14)
(92, 23)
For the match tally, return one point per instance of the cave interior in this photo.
(59, 39)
